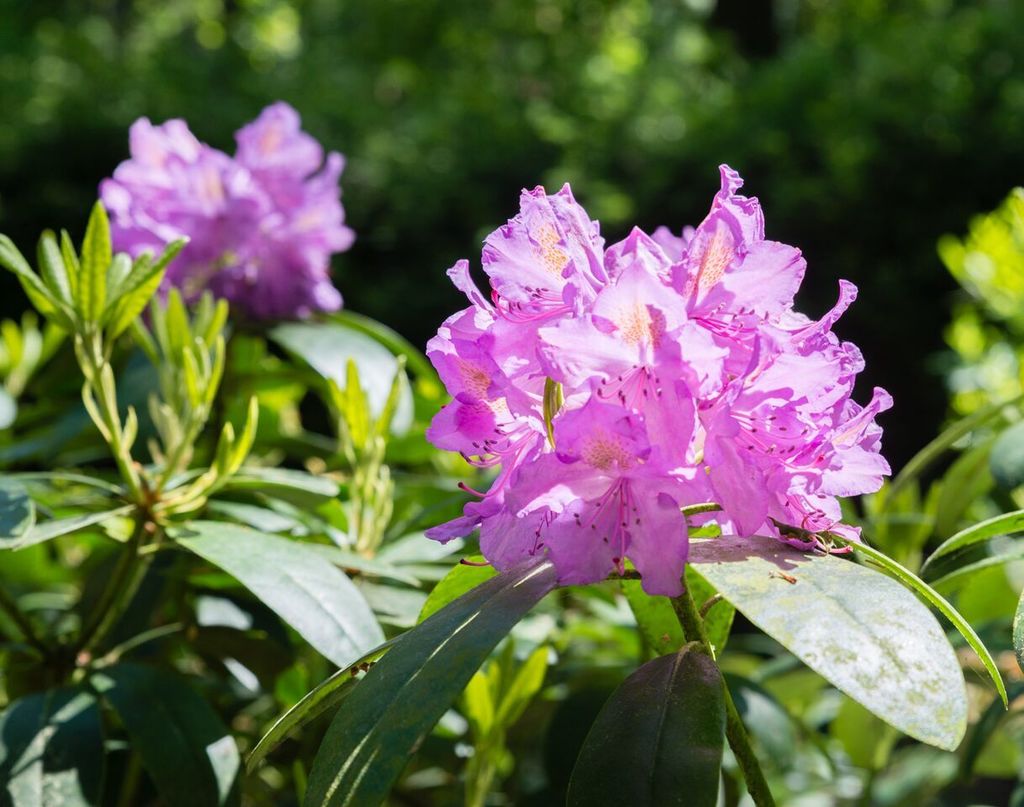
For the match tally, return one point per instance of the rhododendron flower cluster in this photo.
(262, 225)
(614, 386)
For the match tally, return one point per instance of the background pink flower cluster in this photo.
(687, 377)
(262, 225)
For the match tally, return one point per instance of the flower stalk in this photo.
(735, 732)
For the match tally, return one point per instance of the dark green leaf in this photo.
(405, 693)
(859, 629)
(658, 740)
(463, 577)
(51, 750)
(17, 512)
(1007, 458)
(317, 701)
(312, 596)
(328, 347)
(188, 752)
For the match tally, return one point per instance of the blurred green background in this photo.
(867, 128)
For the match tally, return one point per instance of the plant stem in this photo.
(124, 582)
(735, 732)
(10, 607)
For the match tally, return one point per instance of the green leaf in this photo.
(391, 339)
(51, 750)
(958, 568)
(765, 718)
(967, 480)
(865, 738)
(71, 264)
(17, 512)
(941, 444)
(96, 257)
(1007, 458)
(658, 740)
(8, 409)
(1005, 524)
(51, 265)
(370, 741)
(327, 347)
(283, 483)
(54, 528)
(317, 701)
(36, 291)
(371, 567)
(861, 630)
(984, 728)
(528, 680)
(655, 618)
(908, 578)
(312, 596)
(190, 755)
(1018, 632)
(718, 619)
(462, 578)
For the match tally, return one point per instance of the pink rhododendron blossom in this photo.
(685, 377)
(262, 225)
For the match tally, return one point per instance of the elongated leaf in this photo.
(96, 257)
(957, 568)
(765, 719)
(371, 567)
(51, 750)
(859, 629)
(327, 347)
(36, 291)
(62, 526)
(8, 409)
(528, 680)
(285, 484)
(1018, 632)
(941, 444)
(1007, 459)
(190, 755)
(931, 595)
(317, 701)
(658, 740)
(391, 339)
(312, 596)
(17, 512)
(1004, 524)
(984, 728)
(406, 692)
(462, 578)
(51, 265)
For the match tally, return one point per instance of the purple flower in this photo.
(262, 225)
(685, 377)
